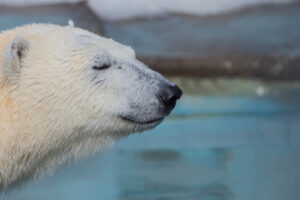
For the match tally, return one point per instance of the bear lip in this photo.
(146, 122)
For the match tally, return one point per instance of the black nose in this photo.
(168, 96)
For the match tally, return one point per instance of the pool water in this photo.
(213, 147)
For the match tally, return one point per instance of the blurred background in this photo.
(235, 134)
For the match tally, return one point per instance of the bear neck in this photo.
(5, 112)
(33, 151)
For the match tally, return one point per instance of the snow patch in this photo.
(126, 9)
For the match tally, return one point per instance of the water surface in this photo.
(213, 147)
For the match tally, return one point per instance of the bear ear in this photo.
(14, 53)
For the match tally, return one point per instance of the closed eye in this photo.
(101, 66)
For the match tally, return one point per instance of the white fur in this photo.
(54, 107)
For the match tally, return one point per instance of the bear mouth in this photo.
(141, 122)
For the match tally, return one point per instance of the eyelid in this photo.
(101, 66)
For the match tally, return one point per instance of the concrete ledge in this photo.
(264, 67)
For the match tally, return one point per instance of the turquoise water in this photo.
(211, 148)
(9, 21)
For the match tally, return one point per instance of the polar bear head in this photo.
(94, 82)
(66, 85)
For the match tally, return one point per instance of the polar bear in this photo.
(66, 93)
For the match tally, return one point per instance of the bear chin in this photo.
(139, 125)
(131, 119)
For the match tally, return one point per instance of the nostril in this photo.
(168, 99)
